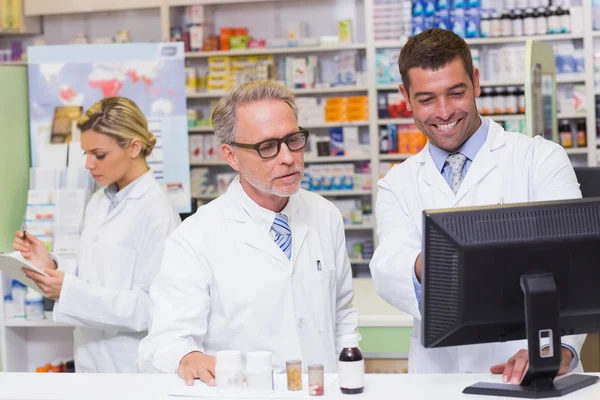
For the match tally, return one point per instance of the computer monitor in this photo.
(589, 181)
(511, 272)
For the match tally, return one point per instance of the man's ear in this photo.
(476, 84)
(404, 92)
(230, 156)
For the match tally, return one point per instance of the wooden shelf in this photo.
(174, 3)
(343, 193)
(520, 39)
(394, 157)
(571, 116)
(17, 63)
(278, 50)
(200, 129)
(299, 92)
(208, 163)
(577, 150)
(24, 323)
(387, 44)
(359, 227)
(505, 117)
(206, 197)
(560, 78)
(399, 121)
(334, 124)
(336, 159)
(62, 7)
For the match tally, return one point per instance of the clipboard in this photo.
(11, 265)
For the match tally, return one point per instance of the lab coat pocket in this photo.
(326, 289)
(115, 265)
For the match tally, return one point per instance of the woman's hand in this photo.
(33, 250)
(51, 285)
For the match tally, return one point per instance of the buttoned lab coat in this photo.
(224, 284)
(106, 298)
(509, 168)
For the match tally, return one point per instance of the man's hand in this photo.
(51, 285)
(418, 266)
(197, 365)
(514, 369)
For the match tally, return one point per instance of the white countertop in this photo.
(156, 387)
(373, 311)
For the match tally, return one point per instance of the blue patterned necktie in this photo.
(456, 162)
(282, 234)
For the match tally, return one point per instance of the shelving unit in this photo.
(26, 345)
(370, 46)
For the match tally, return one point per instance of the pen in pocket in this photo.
(319, 265)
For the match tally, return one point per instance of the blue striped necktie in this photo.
(282, 234)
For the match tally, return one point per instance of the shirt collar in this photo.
(263, 217)
(116, 197)
(469, 149)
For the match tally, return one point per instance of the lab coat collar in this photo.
(484, 162)
(142, 185)
(254, 222)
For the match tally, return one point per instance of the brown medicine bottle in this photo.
(351, 366)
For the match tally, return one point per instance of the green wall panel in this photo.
(14, 151)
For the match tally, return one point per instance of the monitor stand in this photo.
(542, 310)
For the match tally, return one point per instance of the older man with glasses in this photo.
(262, 267)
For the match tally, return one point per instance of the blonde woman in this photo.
(124, 232)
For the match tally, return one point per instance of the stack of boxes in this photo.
(454, 16)
(386, 66)
(338, 177)
(392, 19)
(200, 183)
(301, 72)
(311, 111)
(347, 109)
(233, 38)
(197, 26)
(247, 69)
(204, 148)
(344, 141)
(219, 74)
(225, 72)
(401, 139)
(392, 105)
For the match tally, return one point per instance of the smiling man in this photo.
(264, 266)
(469, 161)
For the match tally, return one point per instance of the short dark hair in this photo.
(433, 49)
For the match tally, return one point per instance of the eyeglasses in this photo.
(269, 148)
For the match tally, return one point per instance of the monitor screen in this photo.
(474, 257)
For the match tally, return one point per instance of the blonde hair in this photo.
(223, 116)
(121, 119)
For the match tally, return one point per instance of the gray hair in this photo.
(223, 116)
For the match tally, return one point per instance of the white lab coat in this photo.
(509, 168)
(224, 284)
(106, 298)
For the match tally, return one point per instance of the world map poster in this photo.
(151, 74)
